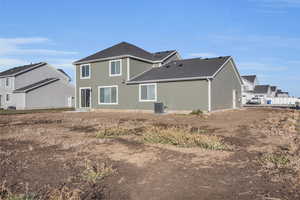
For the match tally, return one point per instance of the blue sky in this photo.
(263, 36)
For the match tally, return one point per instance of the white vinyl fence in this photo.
(283, 100)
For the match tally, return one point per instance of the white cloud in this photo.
(255, 66)
(13, 46)
(203, 55)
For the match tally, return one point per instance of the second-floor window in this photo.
(85, 71)
(115, 68)
(7, 82)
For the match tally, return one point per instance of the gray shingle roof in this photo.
(20, 69)
(62, 71)
(125, 48)
(183, 69)
(250, 78)
(36, 85)
(261, 89)
(162, 54)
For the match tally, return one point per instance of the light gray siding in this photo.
(176, 56)
(54, 95)
(222, 87)
(137, 67)
(37, 75)
(184, 95)
(19, 101)
(4, 90)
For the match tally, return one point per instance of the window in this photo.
(7, 97)
(115, 68)
(148, 92)
(7, 82)
(108, 94)
(85, 71)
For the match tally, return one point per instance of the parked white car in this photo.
(255, 100)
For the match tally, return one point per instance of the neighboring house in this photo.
(127, 77)
(262, 91)
(35, 86)
(280, 93)
(249, 83)
(273, 91)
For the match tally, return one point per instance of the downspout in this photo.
(209, 94)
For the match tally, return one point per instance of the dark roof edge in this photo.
(26, 70)
(171, 80)
(234, 68)
(36, 86)
(186, 78)
(124, 56)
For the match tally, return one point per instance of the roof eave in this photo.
(171, 80)
(124, 56)
(23, 71)
(37, 86)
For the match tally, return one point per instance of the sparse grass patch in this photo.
(197, 112)
(6, 194)
(118, 131)
(64, 194)
(96, 172)
(183, 138)
(277, 160)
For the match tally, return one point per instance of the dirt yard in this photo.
(243, 154)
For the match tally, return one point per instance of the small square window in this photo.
(115, 68)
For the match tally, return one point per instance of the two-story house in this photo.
(127, 77)
(35, 86)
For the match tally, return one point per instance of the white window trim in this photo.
(140, 92)
(81, 88)
(9, 98)
(109, 68)
(90, 69)
(117, 95)
(128, 69)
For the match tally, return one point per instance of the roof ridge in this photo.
(19, 69)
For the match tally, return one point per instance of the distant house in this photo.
(35, 86)
(280, 93)
(262, 91)
(249, 83)
(273, 91)
(127, 77)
